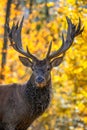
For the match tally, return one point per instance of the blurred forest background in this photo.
(45, 20)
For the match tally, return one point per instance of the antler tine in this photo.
(55, 53)
(30, 55)
(21, 24)
(15, 39)
(79, 30)
(49, 49)
(72, 32)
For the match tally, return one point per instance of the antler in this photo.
(15, 39)
(72, 32)
(49, 50)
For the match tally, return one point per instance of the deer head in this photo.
(41, 68)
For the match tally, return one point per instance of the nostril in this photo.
(39, 79)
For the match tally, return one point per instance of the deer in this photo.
(21, 104)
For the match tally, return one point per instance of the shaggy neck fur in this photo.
(39, 98)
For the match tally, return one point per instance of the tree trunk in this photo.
(46, 11)
(4, 49)
(31, 4)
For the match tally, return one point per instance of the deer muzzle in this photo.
(40, 81)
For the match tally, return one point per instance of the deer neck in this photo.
(39, 98)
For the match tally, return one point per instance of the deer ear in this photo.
(25, 61)
(56, 61)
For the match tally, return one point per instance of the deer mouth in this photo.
(41, 85)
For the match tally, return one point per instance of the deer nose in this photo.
(39, 79)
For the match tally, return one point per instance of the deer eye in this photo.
(48, 68)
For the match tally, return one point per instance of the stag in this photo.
(21, 104)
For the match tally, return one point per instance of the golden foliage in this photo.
(70, 79)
